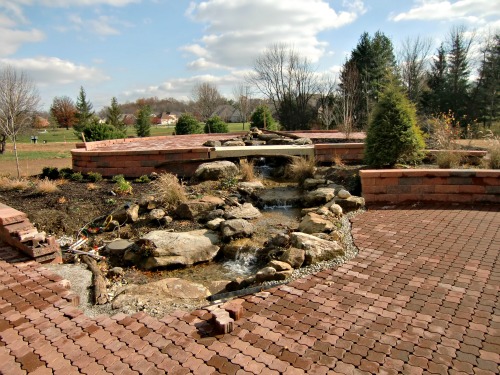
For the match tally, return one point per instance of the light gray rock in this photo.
(302, 141)
(350, 204)
(316, 249)
(313, 183)
(216, 170)
(236, 228)
(294, 257)
(194, 209)
(157, 214)
(245, 211)
(233, 143)
(250, 187)
(314, 223)
(319, 197)
(265, 274)
(335, 209)
(116, 271)
(118, 247)
(164, 248)
(212, 144)
(215, 223)
(343, 194)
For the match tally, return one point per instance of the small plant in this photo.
(170, 191)
(122, 186)
(52, 173)
(337, 160)
(118, 177)
(110, 201)
(228, 183)
(94, 177)
(7, 183)
(46, 186)
(143, 179)
(65, 172)
(247, 171)
(76, 176)
(301, 169)
(91, 186)
(448, 159)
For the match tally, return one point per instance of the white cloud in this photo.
(237, 31)
(473, 11)
(46, 71)
(12, 39)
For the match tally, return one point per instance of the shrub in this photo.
(227, 183)
(97, 131)
(247, 171)
(46, 186)
(118, 177)
(301, 169)
(393, 136)
(448, 159)
(215, 125)
(65, 172)
(187, 124)
(143, 122)
(262, 118)
(143, 179)
(52, 173)
(76, 176)
(170, 191)
(94, 177)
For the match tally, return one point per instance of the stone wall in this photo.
(431, 185)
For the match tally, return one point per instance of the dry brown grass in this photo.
(448, 159)
(169, 190)
(247, 171)
(91, 186)
(337, 160)
(494, 154)
(301, 169)
(7, 183)
(46, 186)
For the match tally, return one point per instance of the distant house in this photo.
(167, 118)
(128, 119)
(228, 113)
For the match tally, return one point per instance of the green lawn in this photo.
(35, 155)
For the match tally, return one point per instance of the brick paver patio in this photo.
(422, 296)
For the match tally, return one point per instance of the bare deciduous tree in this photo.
(288, 80)
(326, 100)
(19, 101)
(348, 97)
(242, 101)
(207, 99)
(413, 61)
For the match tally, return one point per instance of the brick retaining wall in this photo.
(431, 185)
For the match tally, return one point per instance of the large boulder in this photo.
(161, 248)
(319, 197)
(216, 170)
(350, 204)
(193, 209)
(249, 187)
(236, 228)
(245, 211)
(314, 223)
(316, 249)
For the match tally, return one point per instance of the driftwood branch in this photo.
(98, 280)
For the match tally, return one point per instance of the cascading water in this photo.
(244, 264)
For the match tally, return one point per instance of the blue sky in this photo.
(143, 48)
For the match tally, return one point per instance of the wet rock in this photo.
(250, 187)
(215, 223)
(193, 209)
(316, 249)
(162, 291)
(163, 248)
(343, 194)
(313, 223)
(318, 197)
(157, 214)
(350, 204)
(245, 211)
(236, 228)
(313, 183)
(212, 144)
(216, 170)
(280, 240)
(294, 257)
(279, 197)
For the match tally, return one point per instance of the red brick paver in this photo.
(422, 296)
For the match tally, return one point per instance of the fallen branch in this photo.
(98, 280)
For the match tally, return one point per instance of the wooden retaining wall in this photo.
(431, 185)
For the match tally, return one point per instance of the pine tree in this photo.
(434, 100)
(84, 113)
(143, 122)
(113, 116)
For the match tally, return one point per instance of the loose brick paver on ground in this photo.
(422, 296)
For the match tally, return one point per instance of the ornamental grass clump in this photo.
(301, 169)
(393, 136)
(169, 191)
(46, 186)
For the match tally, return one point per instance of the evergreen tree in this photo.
(113, 116)
(187, 124)
(143, 122)
(262, 118)
(215, 125)
(374, 60)
(84, 113)
(434, 100)
(487, 91)
(98, 131)
(393, 136)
